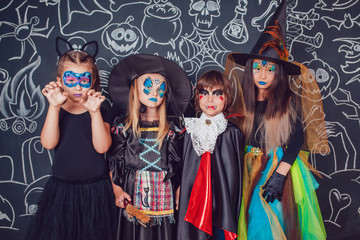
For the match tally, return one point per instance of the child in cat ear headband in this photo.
(145, 158)
(77, 201)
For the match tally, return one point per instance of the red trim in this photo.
(199, 212)
(234, 115)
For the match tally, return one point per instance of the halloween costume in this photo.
(77, 202)
(211, 181)
(148, 174)
(297, 215)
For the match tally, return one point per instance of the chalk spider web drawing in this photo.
(202, 49)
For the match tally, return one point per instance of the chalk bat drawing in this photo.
(347, 23)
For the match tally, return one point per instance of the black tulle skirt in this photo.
(75, 210)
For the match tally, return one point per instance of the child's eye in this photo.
(84, 80)
(204, 92)
(71, 79)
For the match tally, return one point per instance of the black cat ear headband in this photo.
(63, 46)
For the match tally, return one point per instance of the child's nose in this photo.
(78, 87)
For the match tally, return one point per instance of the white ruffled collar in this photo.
(204, 131)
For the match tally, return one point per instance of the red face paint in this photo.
(221, 98)
(211, 107)
(200, 97)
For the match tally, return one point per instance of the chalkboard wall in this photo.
(197, 34)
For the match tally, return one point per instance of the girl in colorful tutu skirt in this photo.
(77, 201)
(281, 119)
(144, 158)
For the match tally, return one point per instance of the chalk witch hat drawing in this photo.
(271, 45)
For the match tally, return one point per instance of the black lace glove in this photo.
(273, 188)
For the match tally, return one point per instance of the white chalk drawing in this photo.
(50, 2)
(331, 5)
(338, 202)
(7, 168)
(347, 23)
(351, 48)
(297, 22)
(21, 101)
(5, 4)
(122, 39)
(204, 11)
(326, 76)
(7, 214)
(351, 104)
(115, 6)
(25, 29)
(342, 158)
(236, 31)
(260, 22)
(32, 150)
(88, 16)
(201, 49)
(166, 18)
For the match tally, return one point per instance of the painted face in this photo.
(212, 100)
(151, 89)
(72, 79)
(76, 80)
(263, 73)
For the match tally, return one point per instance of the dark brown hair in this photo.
(78, 58)
(209, 80)
(279, 92)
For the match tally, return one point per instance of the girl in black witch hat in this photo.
(144, 157)
(77, 201)
(279, 199)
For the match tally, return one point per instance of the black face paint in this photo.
(204, 92)
(217, 92)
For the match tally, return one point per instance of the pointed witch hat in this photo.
(271, 45)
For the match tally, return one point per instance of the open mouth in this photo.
(153, 99)
(211, 107)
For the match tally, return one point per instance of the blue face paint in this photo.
(153, 99)
(147, 86)
(72, 79)
(263, 63)
(161, 90)
(262, 83)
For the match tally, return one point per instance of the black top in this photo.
(75, 157)
(226, 178)
(126, 149)
(296, 139)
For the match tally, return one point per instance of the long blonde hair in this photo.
(134, 116)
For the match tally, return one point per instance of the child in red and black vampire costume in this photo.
(144, 158)
(210, 189)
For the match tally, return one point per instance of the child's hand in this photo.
(177, 195)
(120, 197)
(52, 92)
(93, 101)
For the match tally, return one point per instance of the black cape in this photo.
(226, 174)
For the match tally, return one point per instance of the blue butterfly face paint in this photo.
(148, 86)
(72, 79)
(161, 89)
